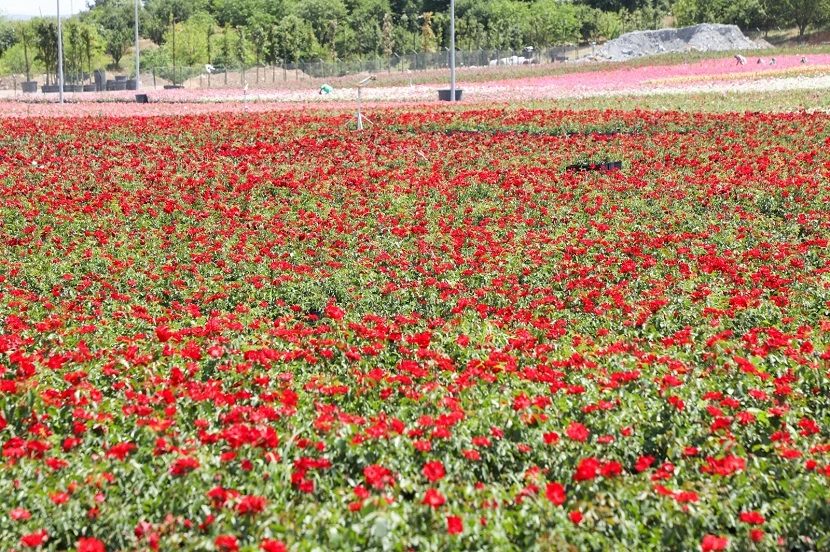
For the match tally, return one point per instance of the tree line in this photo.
(234, 32)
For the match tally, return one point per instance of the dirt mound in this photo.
(700, 38)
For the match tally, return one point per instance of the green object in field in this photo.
(326, 89)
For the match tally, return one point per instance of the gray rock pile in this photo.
(700, 38)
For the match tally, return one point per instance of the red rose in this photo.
(35, 539)
(577, 432)
(90, 544)
(555, 492)
(269, 545)
(454, 525)
(711, 543)
(433, 498)
(576, 516)
(226, 543)
(434, 471)
(753, 518)
(587, 469)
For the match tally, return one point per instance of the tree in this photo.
(553, 22)
(191, 40)
(318, 13)
(46, 45)
(8, 36)
(25, 33)
(88, 40)
(470, 33)
(387, 41)
(428, 43)
(802, 13)
(158, 13)
(258, 33)
(295, 38)
(115, 20)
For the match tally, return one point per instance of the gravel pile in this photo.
(700, 38)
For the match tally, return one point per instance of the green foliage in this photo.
(13, 61)
(294, 39)
(114, 20)
(747, 14)
(191, 40)
(553, 22)
(318, 14)
(801, 13)
(8, 35)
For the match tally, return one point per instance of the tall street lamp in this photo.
(60, 55)
(137, 79)
(452, 50)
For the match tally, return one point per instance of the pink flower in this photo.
(18, 514)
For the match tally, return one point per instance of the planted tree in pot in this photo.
(87, 40)
(46, 44)
(29, 86)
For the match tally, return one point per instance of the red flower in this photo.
(587, 469)
(576, 516)
(90, 544)
(433, 498)
(471, 455)
(250, 504)
(120, 450)
(711, 543)
(753, 518)
(550, 438)
(434, 471)
(163, 333)
(577, 432)
(555, 492)
(756, 535)
(725, 466)
(226, 543)
(35, 539)
(643, 463)
(184, 466)
(269, 545)
(454, 525)
(378, 476)
(59, 497)
(610, 469)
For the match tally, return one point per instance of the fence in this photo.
(401, 67)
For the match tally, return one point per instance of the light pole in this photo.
(137, 76)
(60, 55)
(452, 50)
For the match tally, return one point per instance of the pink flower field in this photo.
(709, 75)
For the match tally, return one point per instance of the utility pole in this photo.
(452, 50)
(60, 54)
(137, 79)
